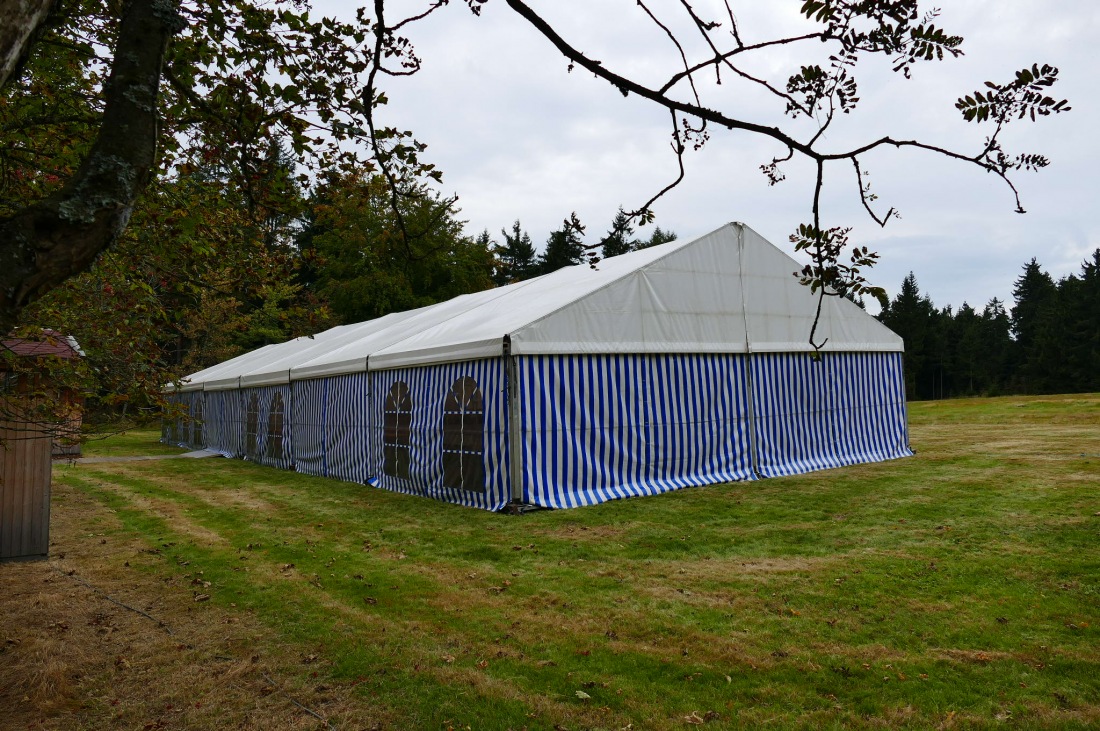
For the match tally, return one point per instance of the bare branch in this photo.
(865, 197)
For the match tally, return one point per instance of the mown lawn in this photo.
(959, 588)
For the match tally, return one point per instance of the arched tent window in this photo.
(275, 428)
(397, 431)
(196, 416)
(463, 423)
(251, 424)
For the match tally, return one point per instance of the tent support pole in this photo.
(753, 459)
(515, 468)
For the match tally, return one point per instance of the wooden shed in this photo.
(27, 443)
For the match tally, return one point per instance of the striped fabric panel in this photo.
(347, 428)
(220, 430)
(428, 388)
(597, 428)
(194, 428)
(845, 408)
(168, 426)
(307, 425)
(265, 399)
(873, 423)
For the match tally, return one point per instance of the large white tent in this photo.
(683, 364)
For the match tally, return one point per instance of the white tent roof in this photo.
(727, 292)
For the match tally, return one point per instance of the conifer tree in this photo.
(910, 315)
(1035, 294)
(658, 237)
(618, 239)
(564, 248)
(516, 256)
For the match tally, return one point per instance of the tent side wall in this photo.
(331, 426)
(263, 426)
(307, 425)
(348, 422)
(846, 408)
(442, 432)
(223, 422)
(168, 426)
(601, 427)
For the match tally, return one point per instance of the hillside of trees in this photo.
(1048, 342)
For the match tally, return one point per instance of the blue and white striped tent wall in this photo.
(194, 436)
(265, 450)
(597, 428)
(346, 428)
(308, 404)
(168, 426)
(330, 427)
(223, 432)
(181, 431)
(842, 409)
(592, 428)
(428, 389)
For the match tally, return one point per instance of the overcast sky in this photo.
(517, 136)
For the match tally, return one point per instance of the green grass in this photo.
(960, 587)
(135, 443)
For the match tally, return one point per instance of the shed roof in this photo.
(51, 343)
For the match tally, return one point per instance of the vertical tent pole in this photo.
(515, 465)
(753, 458)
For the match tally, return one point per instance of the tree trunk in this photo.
(20, 21)
(62, 235)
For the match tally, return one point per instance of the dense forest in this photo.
(1049, 342)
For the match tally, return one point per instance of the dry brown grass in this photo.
(70, 658)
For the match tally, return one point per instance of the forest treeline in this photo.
(213, 266)
(1049, 342)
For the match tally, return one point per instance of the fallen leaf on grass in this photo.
(370, 600)
(202, 597)
(694, 719)
(582, 695)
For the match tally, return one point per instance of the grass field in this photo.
(956, 589)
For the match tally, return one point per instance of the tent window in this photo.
(196, 415)
(397, 431)
(463, 424)
(251, 423)
(275, 428)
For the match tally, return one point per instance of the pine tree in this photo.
(618, 239)
(968, 356)
(1084, 311)
(1034, 293)
(516, 256)
(911, 316)
(996, 343)
(658, 237)
(564, 248)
